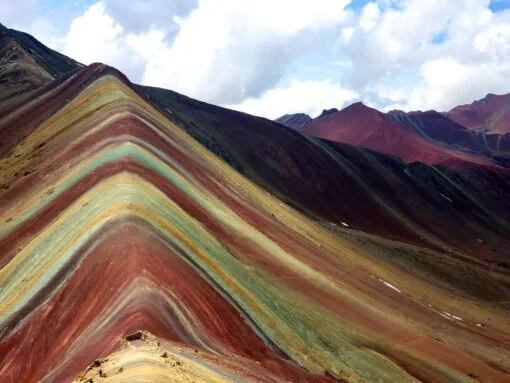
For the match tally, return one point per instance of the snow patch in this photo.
(449, 316)
(282, 205)
(390, 285)
(446, 198)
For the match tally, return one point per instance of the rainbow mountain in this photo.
(147, 236)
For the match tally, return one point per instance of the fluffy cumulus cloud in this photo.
(446, 83)
(96, 36)
(309, 97)
(229, 50)
(271, 57)
(435, 54)
(222, 51)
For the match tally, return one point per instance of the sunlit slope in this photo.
(115, 220)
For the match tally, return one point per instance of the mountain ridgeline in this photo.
(429, 137)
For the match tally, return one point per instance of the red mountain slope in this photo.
(491, 113)
(363, 126)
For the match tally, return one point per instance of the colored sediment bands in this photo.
(130, 252)
(339, 183)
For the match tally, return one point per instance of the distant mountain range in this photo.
(148, 236)
(465, 136)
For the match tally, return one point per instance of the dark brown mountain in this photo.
(26, 64)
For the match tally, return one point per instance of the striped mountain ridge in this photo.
(339, 183)
(334, 182)
(112, 165)
(294, 120)
(131, 250)
(129, 224)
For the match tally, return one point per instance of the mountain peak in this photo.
(3, 30)
(295, 120)
(360, 107)
(396, 112)
(26, 64)
(327, 112)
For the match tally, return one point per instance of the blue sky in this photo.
(499, 5)
(495, 5)
(271, 57)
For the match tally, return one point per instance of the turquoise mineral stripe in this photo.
(108, 156)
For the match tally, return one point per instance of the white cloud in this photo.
(414, 54)
(446, 83)
(228, 50)
(390, 35)
(408, 54)
(443, 78)
(96, 37)
(347, 34)
(223, 51)
(93, 31)
(309, 97)
(369, 16)
(494, 40)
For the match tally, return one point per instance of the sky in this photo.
(272, 57)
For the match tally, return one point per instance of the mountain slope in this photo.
(446, 133)
(116, 163)
(168, 236)
(26, 64)
(427, 137)
(312, 175)
(491, 113)
(341, 183)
